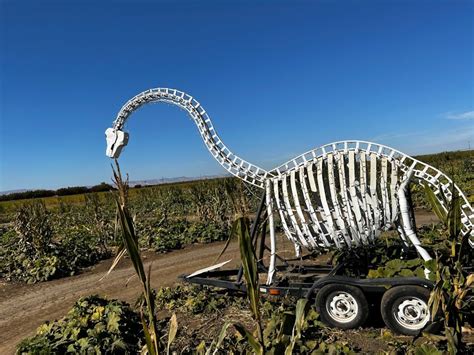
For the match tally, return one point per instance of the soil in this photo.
(24, 307)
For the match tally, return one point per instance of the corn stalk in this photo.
(130, 243)
(453, 286)
(241, 228)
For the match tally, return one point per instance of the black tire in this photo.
(405, 309)
(342, 306)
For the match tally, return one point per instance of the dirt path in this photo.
(424, 217)
(24, 307)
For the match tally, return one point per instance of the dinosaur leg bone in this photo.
(406, 220)
(271, 267)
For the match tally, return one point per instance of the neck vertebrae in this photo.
(231, 162)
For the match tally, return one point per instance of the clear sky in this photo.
(277, 77)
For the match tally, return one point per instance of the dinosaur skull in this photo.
(116, 140)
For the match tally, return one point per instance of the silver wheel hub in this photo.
(342, 307)
(412, 313)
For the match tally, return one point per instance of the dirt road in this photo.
(24, 307)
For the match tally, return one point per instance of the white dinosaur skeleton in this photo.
(338, 196)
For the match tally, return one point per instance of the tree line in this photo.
(74, 190)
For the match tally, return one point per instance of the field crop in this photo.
(55, 237)
(459, 166)
(47, 238)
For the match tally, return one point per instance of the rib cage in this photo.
(336, 196)
(338, 220)
(352, 194)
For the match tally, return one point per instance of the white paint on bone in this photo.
(299, 211)
(373, 194)
(354, 198)
(294, 222)
(384, 190)
(327, 211)
(340, 221)
(316, 225)
(271, 226)
(347, 207)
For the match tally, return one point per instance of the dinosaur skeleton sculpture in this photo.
(339, 195)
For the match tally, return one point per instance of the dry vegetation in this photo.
(54, 237)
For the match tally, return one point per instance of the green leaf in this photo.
(435, 204)
(149, 342)
(249, 263)
(201, 348)
(300, 315)
(250, 270)
(172, 332)
(454, 216)
(129, 237)
(113, 322)
(222, 334)
(254, 344)
(83, 343)
(469, 281)
(220, 339)
(233, 233)
(434, 302)
(299, 322)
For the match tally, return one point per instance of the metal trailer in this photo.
(342, 301)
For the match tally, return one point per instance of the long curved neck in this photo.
(231, 162)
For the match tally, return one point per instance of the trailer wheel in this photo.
(405, 309)
(342, 306)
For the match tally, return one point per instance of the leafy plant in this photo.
(384, 257)
(93, 325)
(174, 234)
(453, 287)
(397, 267)
(192, 299)
(297, 329)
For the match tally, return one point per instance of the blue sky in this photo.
(277, 77)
